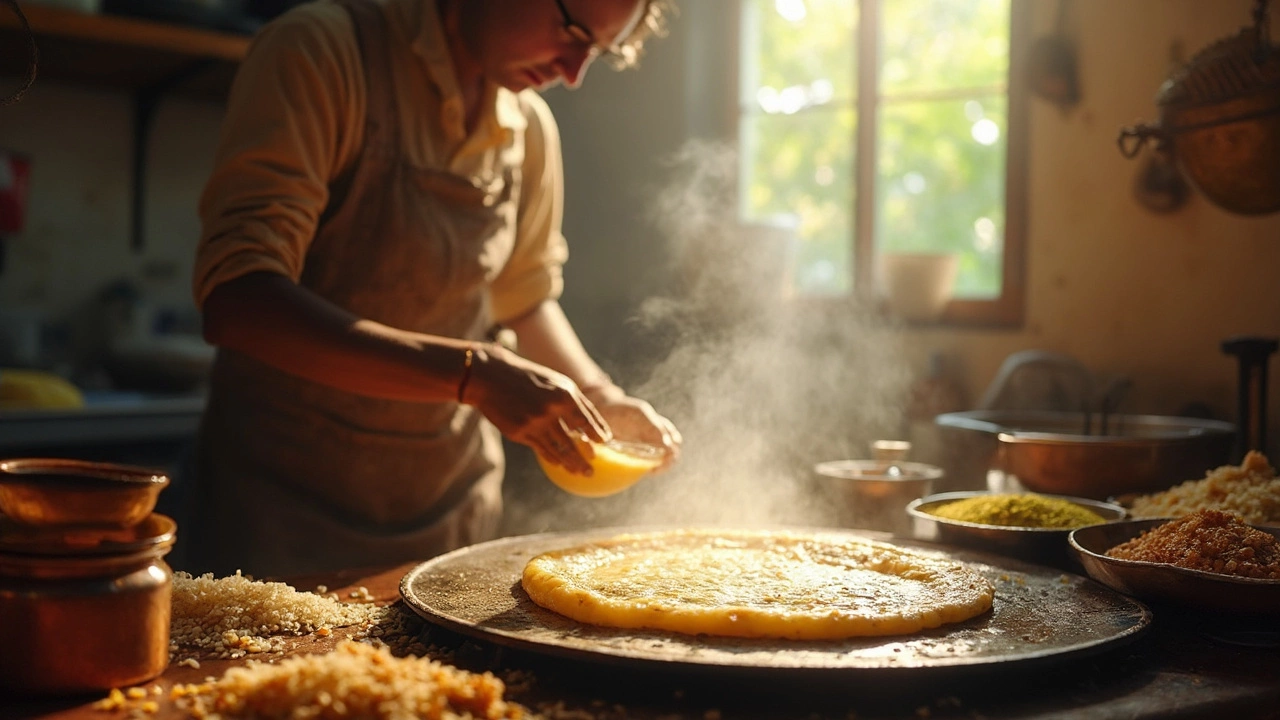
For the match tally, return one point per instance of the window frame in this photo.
(1009, 308)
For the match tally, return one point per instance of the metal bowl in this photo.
(1169, 584)
(1086, 455)
(873, 494)
(1040, 545)
(49, 492)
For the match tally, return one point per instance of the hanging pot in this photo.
(1220, 119)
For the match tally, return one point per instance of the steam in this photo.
(762, 384)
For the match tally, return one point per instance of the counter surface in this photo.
(112, 420)
(1184, 667)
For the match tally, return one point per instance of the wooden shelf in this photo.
(121, 53)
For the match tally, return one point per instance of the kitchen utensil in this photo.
(1159, 185)
(83, 622)
(61, 492)
(1168, 584)
(1051, 66)
(31, 540)
(1066, 453)
(873, 494)
(1251, 418)
(1033, 544)
(1039, 615)
(1220, 118)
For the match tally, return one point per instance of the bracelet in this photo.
(466, 372)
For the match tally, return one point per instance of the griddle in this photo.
(1039, 614)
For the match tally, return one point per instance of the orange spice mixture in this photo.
(1207, 540)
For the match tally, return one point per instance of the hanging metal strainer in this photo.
(1220, 118)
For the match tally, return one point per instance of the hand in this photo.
(635, 420)
(536, 406)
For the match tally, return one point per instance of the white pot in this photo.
(918, 286)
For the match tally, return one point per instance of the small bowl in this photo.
(873, 494)
(48, 492)
(615, 466)
(1170, 584)
(1033, 544)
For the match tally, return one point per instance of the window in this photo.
(888, 126)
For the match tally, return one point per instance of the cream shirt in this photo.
(295, 124)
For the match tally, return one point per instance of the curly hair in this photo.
(653, 23)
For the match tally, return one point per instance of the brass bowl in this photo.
(48, 492)
(1047, 546)
(1169, 584)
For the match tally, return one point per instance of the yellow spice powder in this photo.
(1019, 510)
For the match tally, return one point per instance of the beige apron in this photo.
(297, 477)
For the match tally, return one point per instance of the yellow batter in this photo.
(755, 584)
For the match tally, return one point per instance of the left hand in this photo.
(635, 420)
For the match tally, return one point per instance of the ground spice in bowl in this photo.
(1207, 540)
(1019, 510)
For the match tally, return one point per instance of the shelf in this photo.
(122, 53)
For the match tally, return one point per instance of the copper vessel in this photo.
(85, 593)
(1220, 120)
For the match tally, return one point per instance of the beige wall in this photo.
(1126, 291)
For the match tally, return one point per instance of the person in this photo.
(385, 203)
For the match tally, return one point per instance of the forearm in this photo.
(269, 318)
(547, 337)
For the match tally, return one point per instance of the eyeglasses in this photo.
(583, 36)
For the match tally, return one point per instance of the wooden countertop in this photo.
(1183, 667)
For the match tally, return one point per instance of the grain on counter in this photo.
(235, 615)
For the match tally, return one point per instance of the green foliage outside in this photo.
(942, 86)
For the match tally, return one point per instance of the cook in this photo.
(387, 191)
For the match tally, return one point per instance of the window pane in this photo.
(797, 53)
(940, 185)
(939, 44)
(796, 133)
(802, 165)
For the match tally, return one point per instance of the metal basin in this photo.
(1072, 453)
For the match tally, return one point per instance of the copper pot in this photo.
(1220, 120)
(80, 616)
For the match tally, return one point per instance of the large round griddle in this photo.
(1039, 614)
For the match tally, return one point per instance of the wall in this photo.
(78, 232)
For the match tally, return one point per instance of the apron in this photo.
(296, 477)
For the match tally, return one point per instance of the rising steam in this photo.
(762, 385)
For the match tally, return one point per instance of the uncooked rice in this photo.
(355, 680)
(235, 615)
(1250, 490)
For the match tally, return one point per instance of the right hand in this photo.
(536, 406)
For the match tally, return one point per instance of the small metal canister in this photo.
(83, 610)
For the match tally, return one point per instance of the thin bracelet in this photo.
(466, 373)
